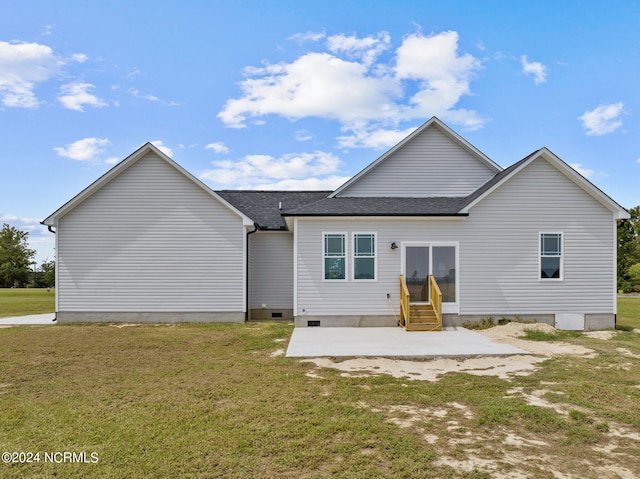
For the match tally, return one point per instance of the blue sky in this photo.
(304, 94)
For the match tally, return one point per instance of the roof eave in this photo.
(618, 211)
(130, 160)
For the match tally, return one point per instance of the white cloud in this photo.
(217, 147)
(112, 160)
(136, 93)
(350, 83)
(307, 37)
(22, 67)
(303, 135)
(537, 69)
(366, 49)
(603, 119)
(583, 171)
(378, 138)
(255, 171)
(79, 57)
(638, 161)
(83, 150)
(163, 148)
(75, 95)
(316, 84)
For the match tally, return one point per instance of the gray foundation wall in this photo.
(266, 314)
(592, 321)
(148, 317)
(350, 321)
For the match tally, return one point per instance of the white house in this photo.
(432, 231)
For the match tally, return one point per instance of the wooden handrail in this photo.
(436, 297)
(405, 304)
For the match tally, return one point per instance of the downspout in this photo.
(55, 282)
(246, 273)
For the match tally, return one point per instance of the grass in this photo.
(25, 301)
(629, 312)
(220, 401)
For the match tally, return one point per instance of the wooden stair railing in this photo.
(405, 304)
(421, 317)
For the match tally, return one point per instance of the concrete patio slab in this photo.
(394, 342)
(30, 320)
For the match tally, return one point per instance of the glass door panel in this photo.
(417, 273)
(444, 270)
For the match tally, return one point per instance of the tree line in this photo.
(17, 268)
(629, 253)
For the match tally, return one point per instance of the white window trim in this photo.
(375, 256)
(562, 253)
(346, 255)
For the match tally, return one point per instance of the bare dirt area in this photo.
(577, 444)
(431, 370)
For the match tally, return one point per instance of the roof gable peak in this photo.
(489, 166)
(120, 168)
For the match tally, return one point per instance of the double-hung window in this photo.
(364, 256)
(334, 264)
(551, 256)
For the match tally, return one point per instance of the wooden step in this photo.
(424, 327)
(423, 318)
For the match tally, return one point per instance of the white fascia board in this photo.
(433, 121)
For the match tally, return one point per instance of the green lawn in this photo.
(221, 401)
(629, 312)
(24, 301)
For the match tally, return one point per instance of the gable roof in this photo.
(434, 122)
(267, 207)
(121, 167)
(544, 153)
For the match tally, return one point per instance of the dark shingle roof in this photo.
(263, 207)
(381, 206)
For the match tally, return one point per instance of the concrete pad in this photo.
(33, 319)
(453, 342)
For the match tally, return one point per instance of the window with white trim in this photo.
(551, 256)
(364, 256)
(334, 252)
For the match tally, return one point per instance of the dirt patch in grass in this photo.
(560, 414)
(502, 367)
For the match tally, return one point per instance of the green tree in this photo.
(15, 257)
(47, 277)
(628, 248)
(634, 274)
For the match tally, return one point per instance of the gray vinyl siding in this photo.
(540, 199)
(271, 270)
(151, 240)
(498, 253)
(432, 164)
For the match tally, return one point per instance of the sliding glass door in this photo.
(423, 259)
